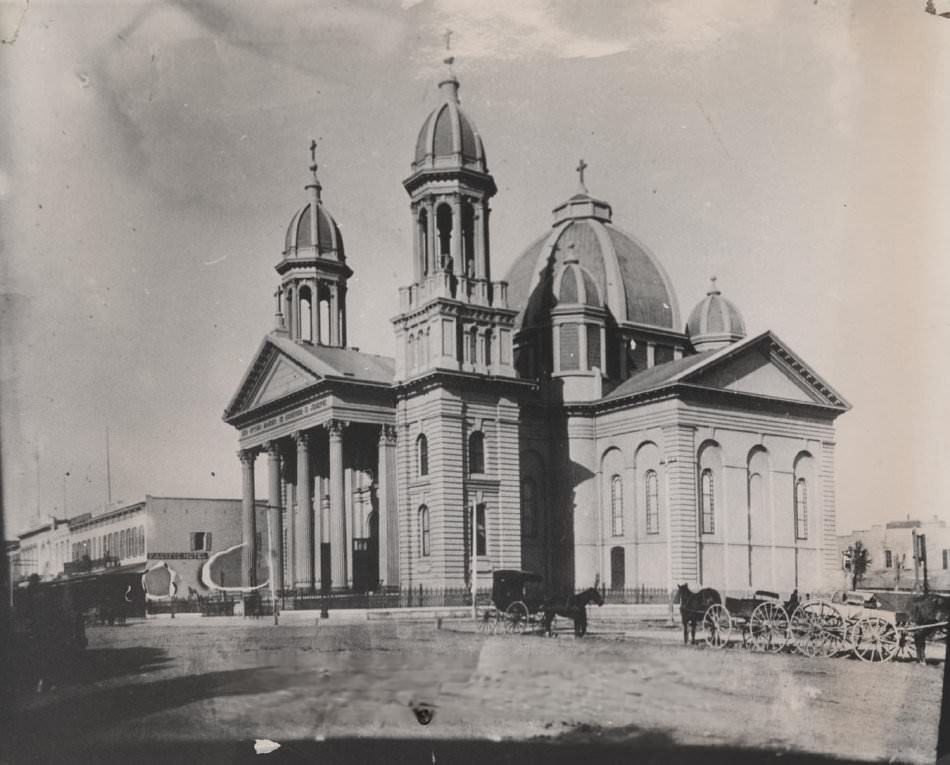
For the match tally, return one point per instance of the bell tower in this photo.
(311, 298)
(452, 316)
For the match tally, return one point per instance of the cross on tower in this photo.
(313, 151)
(448, 38)
(581, 167)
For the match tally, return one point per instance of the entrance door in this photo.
(362, 564)
(617, 568)
(326, 567)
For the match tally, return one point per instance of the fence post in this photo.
(671, 608)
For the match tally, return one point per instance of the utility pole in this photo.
(108, 471)
(474, 563)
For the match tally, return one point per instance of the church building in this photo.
(563, 419)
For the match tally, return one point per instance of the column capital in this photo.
(336, 427)
(302, 438)
(272, 448)
(247, 456)
(387, 434)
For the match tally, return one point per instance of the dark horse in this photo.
(693, 607)
(573, 608)
(925, 610)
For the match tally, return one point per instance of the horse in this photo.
(693, 607)
(924, 610)
(574, 608)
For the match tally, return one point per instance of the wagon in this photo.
(516, 601)
(762, 621)
(854, 622)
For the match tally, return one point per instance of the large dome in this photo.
(633, 285)
(448, 138)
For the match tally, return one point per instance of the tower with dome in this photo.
(563, 419)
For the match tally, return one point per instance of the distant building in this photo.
(890, 547)
(122, 540)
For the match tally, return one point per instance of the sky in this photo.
(152, 155)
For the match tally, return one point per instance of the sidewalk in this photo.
(610, 616)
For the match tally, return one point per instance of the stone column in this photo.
(273, 514)
(334, 333)
(305, 554)
(477, 239)
(338, 551)
(249, 521)
(290, 527)
(417, 267)
(455, 246)
(434, 245)
(486, 247)
(388, 515)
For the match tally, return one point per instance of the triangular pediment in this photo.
(281, 378)
(763, 366)
(271, 376)
(757, 373)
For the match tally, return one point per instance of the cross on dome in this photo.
(713, 289)
(581, 167)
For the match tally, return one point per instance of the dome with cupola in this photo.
(448, 137)
(629, 280)
(715, 322)
(312, 231)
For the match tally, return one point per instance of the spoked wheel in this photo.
(717, 626)
(769, 627)
(486, 621)
(819, 629)
(875, 639)
(516, 617)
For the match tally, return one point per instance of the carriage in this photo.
(859, 623)
(761, 621)
(516, 602)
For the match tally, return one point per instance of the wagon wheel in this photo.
(769, 627)
(819, 629)
(486, 621)
(516, 617)
(717, 625)
(875, 639)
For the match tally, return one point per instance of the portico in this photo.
(328, 441)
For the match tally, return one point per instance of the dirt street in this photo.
(165, 682)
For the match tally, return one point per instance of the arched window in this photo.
(141, 540)
(411, 352)
(801, 509)
(616, 506)
(488, 349)
(707, 502)
(651, 488)
(424, 549)
(424, 241)
(472, 346)
(443, 221)
(476, 452)
(529, 508)
(468, 240)
(422, 455)
(306, 314)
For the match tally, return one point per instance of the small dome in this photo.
(573, 285)
(627, 279)
(714, 322)
(303, 236)
(448, 137)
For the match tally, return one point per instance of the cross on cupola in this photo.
(315, 184)
(581, 167)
